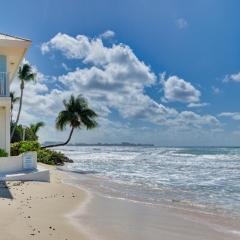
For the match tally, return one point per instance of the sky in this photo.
(165, 72)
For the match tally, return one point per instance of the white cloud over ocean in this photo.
(113, 79)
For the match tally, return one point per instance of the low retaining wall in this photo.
(26, 161)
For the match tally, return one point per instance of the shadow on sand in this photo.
(5, 191)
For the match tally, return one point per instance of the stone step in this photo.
(39, 174)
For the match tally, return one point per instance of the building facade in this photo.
(12, 52)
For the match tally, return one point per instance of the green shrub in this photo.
(24, 146)
(28, 146)
(15, 149)
(3, 153)
(50, 157)
(43, 155)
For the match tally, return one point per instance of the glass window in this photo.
(3, 67)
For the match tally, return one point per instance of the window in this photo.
(3, 76)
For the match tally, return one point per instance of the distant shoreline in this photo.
(106, 144)
(132, 145)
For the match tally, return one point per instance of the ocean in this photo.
(206, 178)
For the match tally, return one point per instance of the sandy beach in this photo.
(119, 120)
(34, 210)
(55, 210)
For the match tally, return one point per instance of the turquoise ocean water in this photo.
(207, 178)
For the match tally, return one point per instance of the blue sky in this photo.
(162, 72)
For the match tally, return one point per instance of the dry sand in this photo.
(34, 210)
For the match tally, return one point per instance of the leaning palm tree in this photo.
(25, 74)
(77, 114)
(36, 126)
(14, 99)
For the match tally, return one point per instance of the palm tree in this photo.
(25, 74)
(14, 99)
(34, 127)
(76, 114)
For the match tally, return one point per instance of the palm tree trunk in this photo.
(61, 144)
(19, 110)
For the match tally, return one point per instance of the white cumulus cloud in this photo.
(177, 89)
(112, 78)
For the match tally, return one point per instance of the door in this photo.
(2, 128)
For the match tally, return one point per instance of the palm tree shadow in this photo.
(5, 191)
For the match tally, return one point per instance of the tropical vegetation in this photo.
(76, 114)
(51, 157)
(27, 133)
(3, 153)
(35, 127)
(43, 155)
(14, 99)
(18, 148)
(25, 74)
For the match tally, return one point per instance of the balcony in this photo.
(4, 84)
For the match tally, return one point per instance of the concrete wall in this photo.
(11, 164)
(18, 163)
(38, 175)
(5, 105)
(23, 168)
(2, 128)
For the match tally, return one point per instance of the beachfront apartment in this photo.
(12, 51)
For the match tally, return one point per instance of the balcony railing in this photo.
(4, 84)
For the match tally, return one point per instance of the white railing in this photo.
(4, 84)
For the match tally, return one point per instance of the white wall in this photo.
(5, 105)
(23, 168)
(16, 163)
(2, 128)
(8, 120)
(10, 164)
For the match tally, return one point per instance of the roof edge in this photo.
(20, 38)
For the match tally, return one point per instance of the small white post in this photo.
(24, 132)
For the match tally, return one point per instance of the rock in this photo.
(68, 160)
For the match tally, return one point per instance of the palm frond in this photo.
(76, 114)
(35, 127)
(14, 99)
(25, 73)
(63, 118)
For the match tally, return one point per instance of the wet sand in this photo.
(107, 218)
